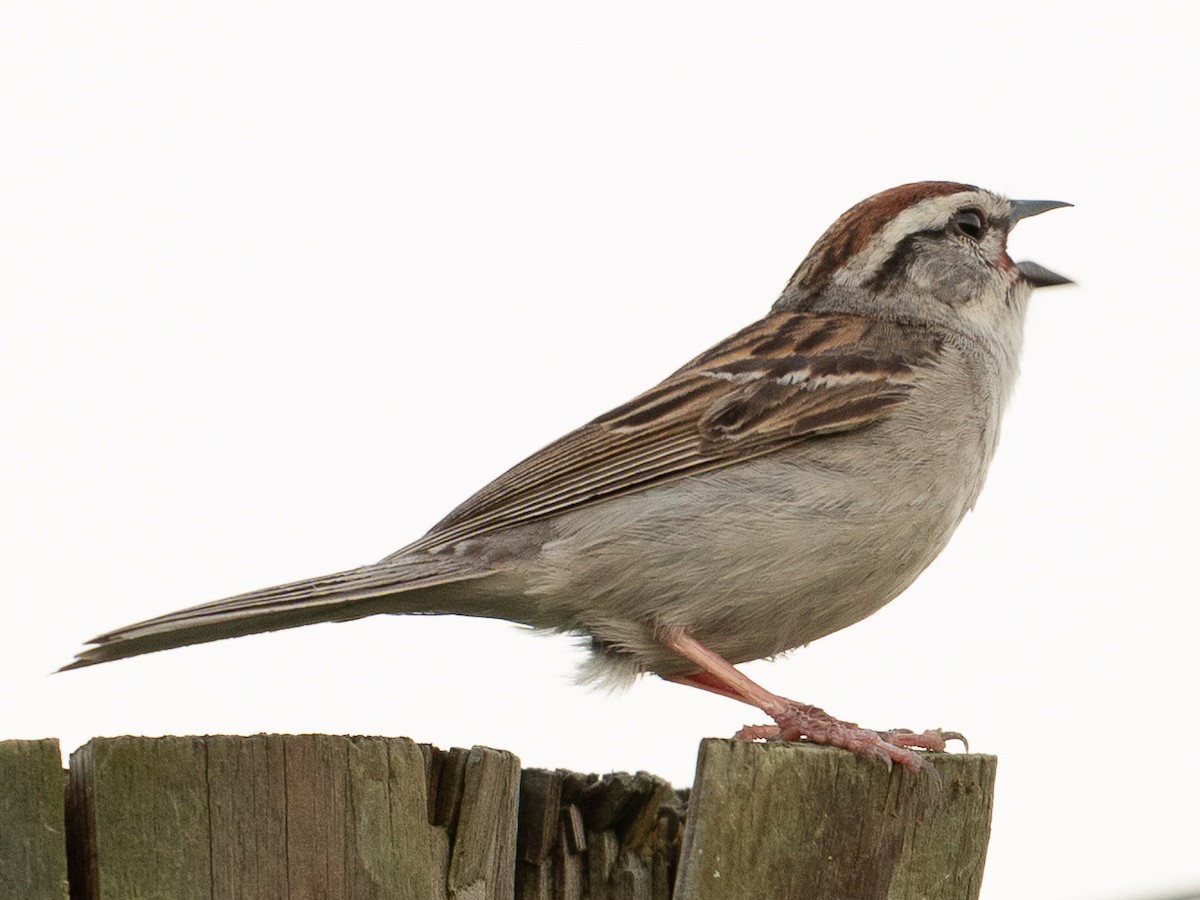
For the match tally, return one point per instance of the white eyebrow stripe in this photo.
(923, 216)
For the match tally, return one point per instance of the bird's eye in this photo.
(970, 223)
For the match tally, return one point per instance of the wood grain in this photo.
(302, 817)
(289, 817)
(33, 858)
(799, 821)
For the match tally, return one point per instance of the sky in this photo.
(281, 284)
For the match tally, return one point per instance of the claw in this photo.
(885, 757)
(934, 739)
(956, 736)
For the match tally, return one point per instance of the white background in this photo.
(282, 284)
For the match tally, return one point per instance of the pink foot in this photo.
(800, 721)
(795, 721)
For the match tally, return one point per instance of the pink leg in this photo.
(793, 720)
(705, 682)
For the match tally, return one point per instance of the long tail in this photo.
(339, 597)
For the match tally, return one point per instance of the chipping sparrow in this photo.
(784, 484)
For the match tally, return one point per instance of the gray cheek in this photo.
(953, 282)
(967, 286)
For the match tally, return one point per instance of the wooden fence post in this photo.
(602, 838)
(293, 817)
(33, 859)
(792, 821)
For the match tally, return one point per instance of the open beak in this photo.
(1038, 276)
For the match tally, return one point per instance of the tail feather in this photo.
(339, 597)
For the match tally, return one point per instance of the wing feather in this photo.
(790, 377)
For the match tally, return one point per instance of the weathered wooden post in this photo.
(793, 821)
(776, 821)
(293, 817)
(33, 857)
(603, 838)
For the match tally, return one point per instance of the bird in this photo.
(782, 485)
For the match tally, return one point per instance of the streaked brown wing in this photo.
(782, 380)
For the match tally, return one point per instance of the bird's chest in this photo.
(859, 523)
(923, 468)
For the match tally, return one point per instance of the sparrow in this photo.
(784, 484)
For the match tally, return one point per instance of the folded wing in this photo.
(785, 379)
